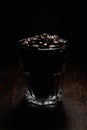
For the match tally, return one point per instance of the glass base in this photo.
(50, 101)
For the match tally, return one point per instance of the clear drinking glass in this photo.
(42, 58)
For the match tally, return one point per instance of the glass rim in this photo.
(60, 48)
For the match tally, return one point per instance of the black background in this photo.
(23, 19)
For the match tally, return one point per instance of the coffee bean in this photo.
(52, 46)
(35, 45)
(44, 41)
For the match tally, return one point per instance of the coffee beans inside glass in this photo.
(42, 58)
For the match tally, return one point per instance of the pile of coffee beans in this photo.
(44, 42)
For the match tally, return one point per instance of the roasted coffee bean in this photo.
(44, 41)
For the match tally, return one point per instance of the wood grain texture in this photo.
(70, 114)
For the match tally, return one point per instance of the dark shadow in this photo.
(24, 117)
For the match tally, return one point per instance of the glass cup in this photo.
(42, 58)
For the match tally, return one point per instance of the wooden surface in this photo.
(70, 114)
